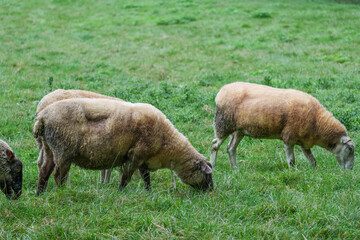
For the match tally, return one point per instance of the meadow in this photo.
(176, 55)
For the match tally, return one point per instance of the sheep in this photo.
(10, 172)
(295, 117)
(61, 94)
(102, 133)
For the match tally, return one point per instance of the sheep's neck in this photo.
(179, 152)
(328, 130)
(180, 155)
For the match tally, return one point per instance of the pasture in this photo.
(176, 55)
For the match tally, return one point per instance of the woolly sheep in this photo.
(61, 94)
(245, 109)
(102, 133)
(10, 172)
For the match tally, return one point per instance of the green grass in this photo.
(176, 55)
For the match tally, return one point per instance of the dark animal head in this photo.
(12, 182)
(199, 176)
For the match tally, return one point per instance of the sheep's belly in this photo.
(98, 164)
(260, 133)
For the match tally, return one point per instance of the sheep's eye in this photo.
(350, 148)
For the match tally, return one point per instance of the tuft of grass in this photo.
(174, 21)
(261, 14)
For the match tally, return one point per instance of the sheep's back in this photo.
(61, 94)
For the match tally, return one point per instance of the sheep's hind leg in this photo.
(235, 139)
(45, 171)
(173, 179)
(290, 157)
(40, 159)
(105, 175)
(57, 175)
(133, 163)
(102, 176)
(310, 157)
(129, 170)
(216, 143)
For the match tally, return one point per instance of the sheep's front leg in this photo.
(129, 170)
(234, 142)
(216, 143)
(45, 171)
(310, 157)
(134, 162)
(290, 157)
(145, 175)
(61, 173)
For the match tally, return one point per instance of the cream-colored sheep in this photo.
(102, 133)
(10, 172)
(61, 94)
(245, 109)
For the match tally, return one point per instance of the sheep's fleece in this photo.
(295, 117)
(102, 133)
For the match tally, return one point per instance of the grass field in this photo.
(176, 55)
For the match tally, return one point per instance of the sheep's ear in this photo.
(345, 139)
(206, 168)
(9, 154)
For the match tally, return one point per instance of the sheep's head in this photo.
(344, 152)
(11, 183)
(199, 175)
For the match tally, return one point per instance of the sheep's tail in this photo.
(38, 127)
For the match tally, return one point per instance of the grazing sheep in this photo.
(61, 94)
(102, 133)
(10, 172)
(245, 109)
